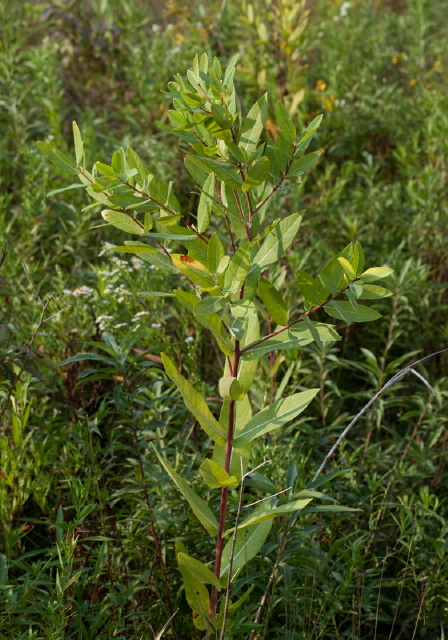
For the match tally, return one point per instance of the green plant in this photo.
(234, 249)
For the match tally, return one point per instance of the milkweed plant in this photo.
(224, 269)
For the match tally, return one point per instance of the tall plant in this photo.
(231, 248)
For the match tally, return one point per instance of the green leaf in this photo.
(274, 416)
(193, 270)
(155, 257)
(238, 269)
(294, 338)
(227, 172)
(273, 301)
(376, 273)
(257, 174)
(215, 476)
(277, 241)
(197, 597)
(230, 389)
(252, 127)
(211, 304)
(122, 221)
(195, 403)
(215, 253)
(247, 545)
(199, 507)
(344, 311)
(240, 455)
(79, 147)
(58, 158)
(300, 166)
(268, 512)
(351, 273)
(205, 206)
(230, 72)
(198, 569)
(248, 368)
(372, 292)
(71, 186)
(285, 123)
(314, 331)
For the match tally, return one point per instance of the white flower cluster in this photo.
(138, 315)
(102, 322)
(80, 292)
(105, 249)
(343, 11)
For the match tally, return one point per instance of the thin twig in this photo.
(401, 374)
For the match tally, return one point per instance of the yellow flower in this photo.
(321, 85)
(413, 82)
(437, 64)
(395, 59)
(179, 37)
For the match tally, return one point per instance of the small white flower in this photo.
(155, 325)
(119, 325)
(106, 246)
(189, 339)
(67, 292)
(343, 11)
(155, 28)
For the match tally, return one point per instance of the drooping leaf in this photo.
(199, 507)
(198, 569)
(193, 270)
(215, 476)
(215, 253)
(58, 158)
(230, 389)
(274, 416)
(299, 166)
(195, 403)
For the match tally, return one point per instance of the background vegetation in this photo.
(81, 491)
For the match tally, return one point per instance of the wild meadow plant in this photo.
(227, 283)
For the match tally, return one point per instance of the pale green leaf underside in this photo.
(274, 416)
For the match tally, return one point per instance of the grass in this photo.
(82, 500)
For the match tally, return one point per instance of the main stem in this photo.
(224, 495)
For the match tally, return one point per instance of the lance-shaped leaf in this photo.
(284, 122)
(79, 147)
(314, 332)
(252, 127)
(344, 311)
(193, 270)
(293, 338)
(198, 569)
(266, 512)
(238, 269)
(215, 253)
(148, 254)
(199, 507)
(215, 476)
(205, 206)
(122, 221)
(226, 171)
(195, 403)
(275, 416)
(299, 166)
(247, 545)
(375, 273)
(248, 368)
(277, 241)
(372, 292)
(273, 301)
(58, 158)
(209, 305)
(257, 174)
(196, 593)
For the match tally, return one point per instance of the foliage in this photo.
(377, 72)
